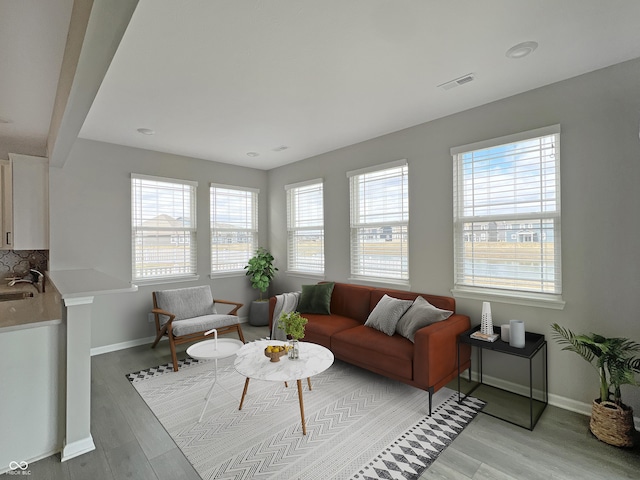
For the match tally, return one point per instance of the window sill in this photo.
(234, 273)
(381, 283)
(160, 281)
(554, 302)
(316, 276)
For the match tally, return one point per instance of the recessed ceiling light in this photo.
(253, 154)
(521, 50)
(146, 131)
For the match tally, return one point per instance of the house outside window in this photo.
(305, 227)
(163, 227)
(507, 218)
(380, 223)
(234, 228)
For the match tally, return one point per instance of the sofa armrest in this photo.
(435, 353)
(272, 307)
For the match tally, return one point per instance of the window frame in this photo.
(357, 228)
(292, 192)
(461, 289)
(137, 202)
(252, 231)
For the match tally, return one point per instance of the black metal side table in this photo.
(504, 404)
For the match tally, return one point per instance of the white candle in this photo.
(516, 333)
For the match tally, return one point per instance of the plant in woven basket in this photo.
(616, 363)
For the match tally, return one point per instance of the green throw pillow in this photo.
(316, 298)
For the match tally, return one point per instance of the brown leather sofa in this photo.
(428, 364)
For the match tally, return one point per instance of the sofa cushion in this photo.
(387, 312)
(351, 301)
(316, 298)
(419, 315)
(373, 349)
(186, 302)
(202, 324)
(320, 328)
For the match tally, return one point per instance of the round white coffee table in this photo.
(213, 350)
(251, 362)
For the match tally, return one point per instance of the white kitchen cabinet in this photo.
(6, 212)
(26, 209)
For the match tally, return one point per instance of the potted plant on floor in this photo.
(616, 363)
(293, 325)
(260, 270)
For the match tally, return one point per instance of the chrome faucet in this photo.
(37, 280)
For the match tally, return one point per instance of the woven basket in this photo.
(612, 423)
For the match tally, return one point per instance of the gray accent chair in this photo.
(185, 314)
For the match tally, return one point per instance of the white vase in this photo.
(516, 333)
(486, 326)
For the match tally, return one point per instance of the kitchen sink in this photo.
(8, 296)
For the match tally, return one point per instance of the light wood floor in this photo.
(131, 443)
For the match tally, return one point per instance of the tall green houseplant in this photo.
(260, 270)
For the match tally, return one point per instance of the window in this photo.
(305, 227)
(163, 228)
(234, 228)
(379, 223)
(507, 216)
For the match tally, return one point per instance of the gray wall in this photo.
(90, 211)
(600, 174)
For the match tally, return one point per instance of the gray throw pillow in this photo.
(421, 314)
(386, 313)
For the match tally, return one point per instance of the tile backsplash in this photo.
(18, 262)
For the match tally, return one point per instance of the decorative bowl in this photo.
(275, 356)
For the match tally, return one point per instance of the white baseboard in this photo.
(135, 343)
(77, 448)
(555, 400)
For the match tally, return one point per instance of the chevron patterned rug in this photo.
(359, 425)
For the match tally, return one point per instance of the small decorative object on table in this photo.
(293, 325)
(274, 352)
(486, 325)
(516, 333)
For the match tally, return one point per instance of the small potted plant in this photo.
(293, 325)
(260, 271)
(616, 363)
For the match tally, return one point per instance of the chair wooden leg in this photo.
(174, 357)
(158, 337)
(239, 328)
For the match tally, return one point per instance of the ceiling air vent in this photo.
(470, 77)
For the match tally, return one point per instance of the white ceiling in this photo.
(32, 40)
(216, 79)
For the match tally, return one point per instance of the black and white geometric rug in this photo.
(359, 425)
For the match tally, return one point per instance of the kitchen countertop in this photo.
(40, 310)
(61, 285)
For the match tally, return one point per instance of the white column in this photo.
(77, 321)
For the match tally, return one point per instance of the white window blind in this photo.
(234, 227)
(305, 227)
(380, 222)
(163, 226)
(507, 214)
